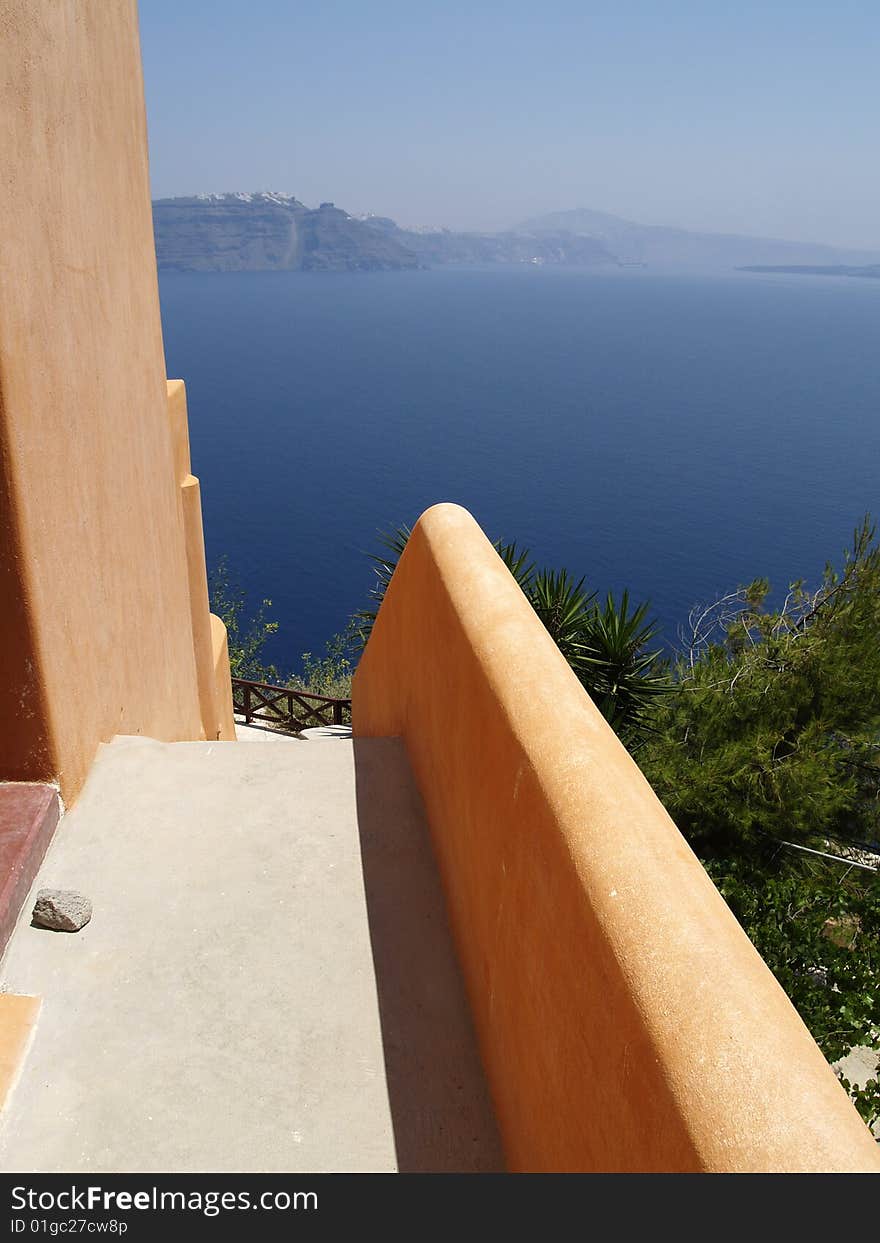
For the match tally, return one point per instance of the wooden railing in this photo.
(286, 708)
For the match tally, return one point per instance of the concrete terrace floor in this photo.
(267, 982)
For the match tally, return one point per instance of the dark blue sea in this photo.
(676, 435)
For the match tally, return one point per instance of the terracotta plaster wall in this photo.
(625, 1020)
(95, 625)
(209, 633)
(223, 724)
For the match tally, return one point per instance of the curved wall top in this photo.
(625, 1020)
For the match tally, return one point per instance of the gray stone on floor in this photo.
(61, 910)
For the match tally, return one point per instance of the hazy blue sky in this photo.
(753, 116)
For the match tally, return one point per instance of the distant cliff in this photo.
(657, 246)
(438, 246)
(262, 232)
(237, 232)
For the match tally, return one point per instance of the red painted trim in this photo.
(28, 816)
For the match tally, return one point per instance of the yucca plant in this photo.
(622, 675)
(517, 561)
(565, 607)
(384, 564)
(605, 646)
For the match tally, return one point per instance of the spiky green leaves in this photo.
(605, 645)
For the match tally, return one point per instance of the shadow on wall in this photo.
(443, 1120)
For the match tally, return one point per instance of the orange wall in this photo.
(96, 631)
(625, 1020)
(223, 721)
(209, 633)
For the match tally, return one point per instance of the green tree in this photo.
(774, 724)
(329, 674)
(768, 748)
(246, 635)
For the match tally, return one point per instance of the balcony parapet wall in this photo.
(625, 1020)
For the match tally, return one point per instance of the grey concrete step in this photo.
(267, 982)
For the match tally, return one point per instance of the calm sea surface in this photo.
(677, 435)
